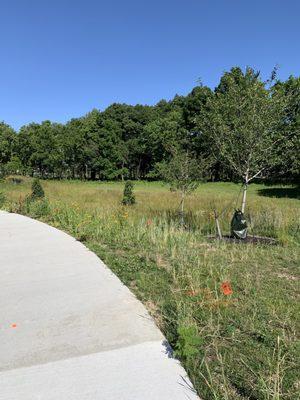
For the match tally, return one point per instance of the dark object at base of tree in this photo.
(128, 196)
(37, 190)
(239, 225)
(250, 239)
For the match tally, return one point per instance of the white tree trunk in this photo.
(245, 191)
(244, 198)
(218, 225)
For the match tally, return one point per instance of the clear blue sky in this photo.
(60, 59)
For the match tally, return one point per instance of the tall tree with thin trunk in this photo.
(244, 123)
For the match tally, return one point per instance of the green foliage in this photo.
(244, 123)
(37, 190)
(183, 173)
(188, 342)
(14, 166)
(245, 126)
(39, 208)
(128, 195)
(2, 199)
(288, 152)
(8, 139)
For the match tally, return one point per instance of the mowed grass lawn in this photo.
(243, 345)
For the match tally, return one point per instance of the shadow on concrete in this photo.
(287, 192)
(168, 349)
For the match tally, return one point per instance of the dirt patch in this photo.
(249, 239)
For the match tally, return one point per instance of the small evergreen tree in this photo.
(37, 190)
(128, 196)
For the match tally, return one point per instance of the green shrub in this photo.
(39, 208)
(128, 196)
(37, 190)
(188, 344)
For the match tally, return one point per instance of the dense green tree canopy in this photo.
(246, 126)
(7, 144)
(245, 123)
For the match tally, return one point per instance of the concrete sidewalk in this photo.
(69, 329)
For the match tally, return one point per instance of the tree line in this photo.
(245, 127)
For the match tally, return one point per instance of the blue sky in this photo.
(60, 59)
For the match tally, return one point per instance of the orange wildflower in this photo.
(148, 222)
(226, 288)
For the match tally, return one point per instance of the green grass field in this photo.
(244, 345)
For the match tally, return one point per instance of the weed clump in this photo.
(35, 204)
(2, 199)
(128, 195)
(37, 190)
(39, 208)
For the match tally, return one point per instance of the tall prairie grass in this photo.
(244, 345)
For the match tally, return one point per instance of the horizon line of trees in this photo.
(242, 116)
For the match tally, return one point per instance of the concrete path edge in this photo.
(69, 328)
